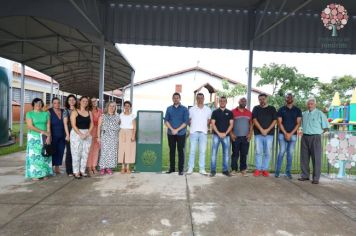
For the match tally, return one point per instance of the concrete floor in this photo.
(161, 204)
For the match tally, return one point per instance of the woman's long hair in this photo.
(80, 99)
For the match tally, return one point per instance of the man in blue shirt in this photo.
(176, 120)
(289, 119)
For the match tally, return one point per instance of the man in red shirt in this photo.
(240, 136)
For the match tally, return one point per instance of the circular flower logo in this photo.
(334, 17)
(149, 157)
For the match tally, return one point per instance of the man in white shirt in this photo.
(199, 117)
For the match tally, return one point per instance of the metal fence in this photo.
(326, 167)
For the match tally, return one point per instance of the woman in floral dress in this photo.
(108, 137)
(38, 125)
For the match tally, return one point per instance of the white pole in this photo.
(51, 97)
(132, 86)
(22, 103)
(122, 99)
(101, 77)
(249, 81)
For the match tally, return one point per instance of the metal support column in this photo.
(51, 97)
(22, 103)
(132, 85)
(249, 82)
(101, 77)
(10, 100)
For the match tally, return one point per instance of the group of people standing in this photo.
(92, 138)
(238, 127)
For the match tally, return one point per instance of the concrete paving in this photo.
(161, 204)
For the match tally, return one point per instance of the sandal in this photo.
(109, 171)
(91, 173)
(102, 172)
(77, 176)
(84, 175)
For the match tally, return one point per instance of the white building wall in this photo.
(157, 95)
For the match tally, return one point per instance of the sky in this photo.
(152, 61)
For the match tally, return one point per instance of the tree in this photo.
(344, 85)
(228, 92)
(285, 79)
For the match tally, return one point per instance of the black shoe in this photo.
(226, 173)
(170, 171)
(180, 173)
(303, 179)
(212, 174)
(315, 182)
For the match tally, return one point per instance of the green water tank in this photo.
(4, 106)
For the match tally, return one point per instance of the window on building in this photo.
(29, 95)
(16, 95)
(178, 88)
(48, 98)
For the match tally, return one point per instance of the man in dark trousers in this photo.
(314, 124)
(240, 137)
(176, 120)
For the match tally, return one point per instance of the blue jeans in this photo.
(202, 139)
(263, 146)
(225, 143)
(285, 146)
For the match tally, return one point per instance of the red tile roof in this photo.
(16, 69)
(196, 68)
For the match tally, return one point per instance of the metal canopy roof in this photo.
(61, 38)
(65, 53)
(273, 25)
(288, 5)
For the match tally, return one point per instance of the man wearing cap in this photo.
(289, 119)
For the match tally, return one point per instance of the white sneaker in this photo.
(189, 172)
(203, 172)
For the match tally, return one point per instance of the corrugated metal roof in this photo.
(68, 55)
(228, 28)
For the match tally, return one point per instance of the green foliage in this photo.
(285, 79)
(344, 85)
(229, 92)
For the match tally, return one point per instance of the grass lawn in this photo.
(165, 152)
(15, 147)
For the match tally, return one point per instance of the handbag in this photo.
(47, 149)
